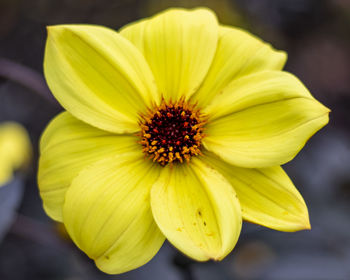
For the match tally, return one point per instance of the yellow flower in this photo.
(15, 150)
(175, 128)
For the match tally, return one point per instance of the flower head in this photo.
(15, 150)
(175, 127)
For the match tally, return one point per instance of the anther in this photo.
(172, 132)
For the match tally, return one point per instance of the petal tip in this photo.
(307, 225)
(52, 28)
(54, 31)
(284, 58)
(303, 224)
(218, 257)
(107, 269)
(60, 28)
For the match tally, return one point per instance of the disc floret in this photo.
(172, 132)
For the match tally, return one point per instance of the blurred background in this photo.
(316, 35)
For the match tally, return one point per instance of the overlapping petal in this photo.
(179, 46)
(98, 76)
(68, 146)
(262, 120)
(108, 215)
(197, 210)
(238, 53)
(267, 196)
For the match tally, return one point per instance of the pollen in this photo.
(172, 132)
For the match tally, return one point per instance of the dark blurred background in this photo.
(316, 35)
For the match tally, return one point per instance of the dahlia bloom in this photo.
(15, 150)
(175, 128)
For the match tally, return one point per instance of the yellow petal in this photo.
(197, 210)
(98, 76)
(267, 196)
(238, 53)
(6, 173)
(15, 150)
(108, 215)
(67, 146)
(262, 120)
(179, 46)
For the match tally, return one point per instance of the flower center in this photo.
(172, 132)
